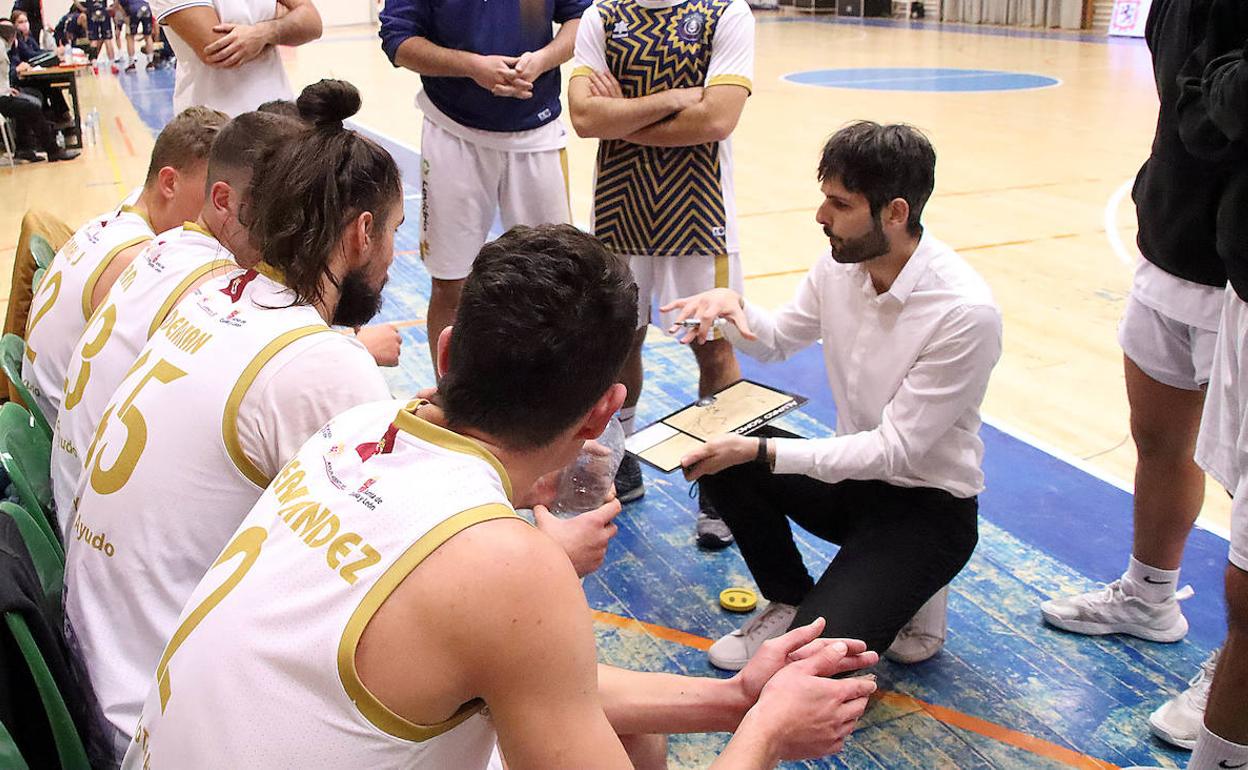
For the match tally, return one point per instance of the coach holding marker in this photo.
(491, 136)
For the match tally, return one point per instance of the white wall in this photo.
(341, 12)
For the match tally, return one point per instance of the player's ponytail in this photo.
(306, 191)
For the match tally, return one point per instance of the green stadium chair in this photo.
(69, 746)
(36, 278)
(26, 455)
(12, 350)
(45, 551)
(9, 755)
(41, 250)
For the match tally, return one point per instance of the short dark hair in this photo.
(186, 140)
(546, 320)
(882, 163)
(284, 107)
(305, 192)
(242, 143)
(7, 33)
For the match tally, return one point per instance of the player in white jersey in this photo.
(172, 266)
(233, 382)
(382, 594)
(86, 266)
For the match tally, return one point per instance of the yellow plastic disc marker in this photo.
(738, 599)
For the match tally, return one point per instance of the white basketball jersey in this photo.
(261, 670)
(165, 480)
(143, 296)
(62, 303)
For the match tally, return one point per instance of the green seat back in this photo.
(26, 455)
(36, 278)
(9, 755)
(41, 250)
(12, 350)
(68, 743)
(44, 549)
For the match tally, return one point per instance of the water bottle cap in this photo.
(738, 599)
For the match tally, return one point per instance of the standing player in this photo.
(233, 382)
(1167, 336)
(382, 593)
(1214, 116)
(100, 29)
(84, 269)
(663, 85)
(491, 137)
(139, 18)
(227, 49)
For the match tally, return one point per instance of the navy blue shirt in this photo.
(490, 28)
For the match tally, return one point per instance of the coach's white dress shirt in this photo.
(908, 369)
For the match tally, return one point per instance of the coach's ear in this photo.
(444, 351)
(603, 410)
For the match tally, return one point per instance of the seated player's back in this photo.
(61, 305)
(280, 613)
(172, 469)
(141, 299)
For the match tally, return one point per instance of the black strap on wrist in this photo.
(761, 457)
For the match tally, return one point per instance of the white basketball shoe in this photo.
(1178, 720)
(1111, 611)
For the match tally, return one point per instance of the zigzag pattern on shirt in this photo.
(659, 201)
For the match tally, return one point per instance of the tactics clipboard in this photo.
(739, 408)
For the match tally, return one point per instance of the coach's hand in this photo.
(723, 451)
(706, 307)
(531, 65)
(497, 74)
(584, 537)
(383, 341)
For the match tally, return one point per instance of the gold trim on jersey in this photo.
(195, 228)
(409, 423)
(567, 183)
(229, 420)
(187, 282)
(581, 72)
(731, 80)
(369, 706)
(270, 272)
(721, 272)
(128, 209)
(89, 289)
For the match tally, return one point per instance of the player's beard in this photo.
(853, 250)
(358, 302)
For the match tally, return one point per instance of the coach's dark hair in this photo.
(546, 320)
(306, 191)
(186, 140)
(8, 33)
(882, 163)
(243, 142)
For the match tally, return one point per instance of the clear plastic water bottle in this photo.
(585, 483)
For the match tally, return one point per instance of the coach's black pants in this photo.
(33, 131)
(899, 545)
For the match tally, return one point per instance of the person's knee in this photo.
(646, 752)
(446, 291)
(1237, 599)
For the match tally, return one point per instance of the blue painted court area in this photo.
(936, 79)
(1003, 680)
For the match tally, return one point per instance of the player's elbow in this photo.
(584, 121)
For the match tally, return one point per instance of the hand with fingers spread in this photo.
(497, 74)
(802, 712)
(799, 644)
(238, 44)
(706, 307)
(583, 537)
(383, 341)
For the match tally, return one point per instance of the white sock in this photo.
(1214, 753)
(1149, 583)
(627, 415)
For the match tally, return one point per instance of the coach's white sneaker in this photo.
(1178, 720)
(734, 650)
(924, 635)
(1111, 611)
